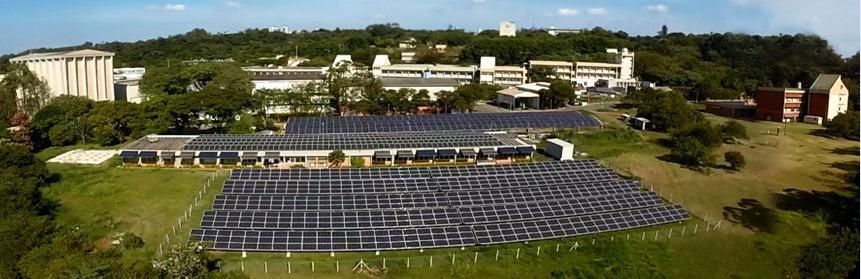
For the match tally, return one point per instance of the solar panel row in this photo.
(410, 172)
(305, 187)
(434, 237)
(354, 141)
(395, 208)
(440, 122)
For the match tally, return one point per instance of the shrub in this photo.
(735, 159)
(357, 162)
(732, 130)
(844, 125)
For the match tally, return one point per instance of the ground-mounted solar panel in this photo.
(331, 220)
(327, 187)
(414, 172)
(440, 122)
(335, 240)
(329, 202)
(578, 225)
(541, 193)
(508, 212)
(522, 180)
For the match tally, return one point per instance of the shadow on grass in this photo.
(751, 214)
(846, 165)
(851, 150)
(835, 208)
(821, 133)
(670, 158)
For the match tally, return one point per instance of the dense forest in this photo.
(708, 65)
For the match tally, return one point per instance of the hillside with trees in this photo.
(717, 65)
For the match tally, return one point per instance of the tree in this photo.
(245, 125)
(834, 256)
(357, 162)
(844, 125)
(735, 159)
(558, 95)
(22, 90)
(21, 132)
(115, 122)
(63, 121)
(732, 131)
(541, 74)
(693, 145)
(188, 261)
(337, 157)
(666, 110)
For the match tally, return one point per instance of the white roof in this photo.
(598, 64)
(341, 59)
(534, 87)
(62, 54)
(517, 93)
(381, 60)
(560, 142)
(431, 67)
(550, 63)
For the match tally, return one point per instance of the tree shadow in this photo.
(851, 165)
(821, 133)
(849, 150)
(835, 208)
(751, 214)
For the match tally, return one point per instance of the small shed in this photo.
(560, 149)
(640, 123)
(812, 119)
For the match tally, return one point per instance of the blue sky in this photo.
(30, 24)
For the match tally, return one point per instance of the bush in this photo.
(732, 130)
(735, 159)
(357, 162)
(131, 241)
(844, 125)
(691, 152)
(831, 257)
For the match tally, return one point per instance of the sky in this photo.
(55, 23)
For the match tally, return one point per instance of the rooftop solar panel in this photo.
(354, 141)
(440, 122)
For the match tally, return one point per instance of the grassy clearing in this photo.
(108, 199)
(762, 232)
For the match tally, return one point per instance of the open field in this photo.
(758, 235)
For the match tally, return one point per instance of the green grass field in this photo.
(757, 239)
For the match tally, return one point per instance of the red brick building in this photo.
(827, 97)
(779, 104)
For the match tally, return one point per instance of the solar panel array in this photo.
(440, 122)
(410, 208)
(352, 141)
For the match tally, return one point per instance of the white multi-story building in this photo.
(408, 57)
(86, 73)
(281, 78)
(505, 76)
(282, 29)
(589, 73)
(382, 68)
(564, 70)
(553, 31)
(507, 29)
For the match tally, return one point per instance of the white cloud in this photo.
(659, 8)
(233, 4)
(567, 11)
(173, 7)
(597, 11)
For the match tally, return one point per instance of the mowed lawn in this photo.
(109, 199)
(759, 227)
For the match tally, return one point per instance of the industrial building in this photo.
(85, 73)
(312, 150)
